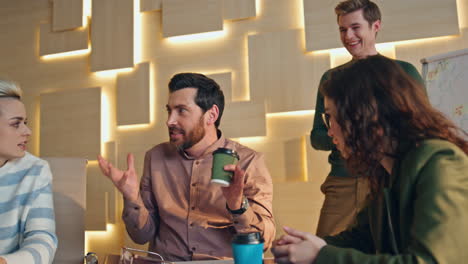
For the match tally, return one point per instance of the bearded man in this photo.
(174, 207)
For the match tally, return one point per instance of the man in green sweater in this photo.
(345, 194)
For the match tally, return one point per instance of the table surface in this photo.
(114, 259)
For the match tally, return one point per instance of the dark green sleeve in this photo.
(357, 237)
(438, 229)
(413, 72)
(318, 136)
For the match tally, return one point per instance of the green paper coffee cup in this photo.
(222, 157)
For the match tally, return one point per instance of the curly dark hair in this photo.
(380, 106)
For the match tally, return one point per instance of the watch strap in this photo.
(242, 209)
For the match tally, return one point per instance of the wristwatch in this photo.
(244, 206)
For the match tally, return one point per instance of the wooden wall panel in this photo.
(69, 187)
(96, 202)
(112, 35)
(112, 192)
(244, 119)
(183, 17)
(71, 123)
(225, 82)
(401, 21)
(273, 150)
(297, 205)
(295, 159)
(150, 5)
(238, 9)
(57, 42)
(280, 72)
(133, 96)
(414, 52)
(67, 14)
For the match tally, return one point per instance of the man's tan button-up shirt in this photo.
(184, 217)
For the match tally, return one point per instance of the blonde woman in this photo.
(27, 221)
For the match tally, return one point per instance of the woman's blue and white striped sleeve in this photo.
(36, 238)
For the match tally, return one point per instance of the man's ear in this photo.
(377, 25)
(213, 114)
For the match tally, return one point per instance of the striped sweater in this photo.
(27, 221)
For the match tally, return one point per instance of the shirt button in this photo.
(194, 184)
(193, 207)
(197, 162)
(191, 224)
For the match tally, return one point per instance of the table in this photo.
(114, 259)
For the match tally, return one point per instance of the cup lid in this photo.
(226, 151)
(248, 238)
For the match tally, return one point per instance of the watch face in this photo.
(244, 206)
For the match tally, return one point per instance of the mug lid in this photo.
(226, 151)
(248, 238)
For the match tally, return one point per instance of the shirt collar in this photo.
(217, 144)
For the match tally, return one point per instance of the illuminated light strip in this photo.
(133, 127)
(304, 158)
(184, 39)
(300, 17)
(250, 140)
(258, 7)
(112, 73)
(291, 114)
(67, 54)
(86, 12)
(105, 121)
(152, 94)
(424, 40)
(107, 235)
(400, 42)
(137, 33)
(220, 71)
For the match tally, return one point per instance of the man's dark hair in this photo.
(208, 91)
(370, 10)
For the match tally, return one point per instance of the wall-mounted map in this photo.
(446, 77)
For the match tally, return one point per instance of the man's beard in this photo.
(195, 136)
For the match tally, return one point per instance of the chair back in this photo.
(69, 187)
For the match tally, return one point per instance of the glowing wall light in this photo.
(112, 73)
(185, 39)
(304, 158)
(104, 236)
(137, 32)
(258, 7)
(67, 55)
(291, 114)
(86, 12)
(425, 40)
(251, 140)
(105, 121)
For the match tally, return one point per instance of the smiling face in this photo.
(14, 133)
(335, 131)
(357, 35)
(186, 120)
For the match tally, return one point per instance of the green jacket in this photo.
(319, 137)
(427, 199)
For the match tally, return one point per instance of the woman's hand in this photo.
(297, 247)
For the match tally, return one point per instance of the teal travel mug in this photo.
(247, 248)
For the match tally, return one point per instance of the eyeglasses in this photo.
(326, 120)
(135, 256)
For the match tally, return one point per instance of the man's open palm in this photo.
(125, 181)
